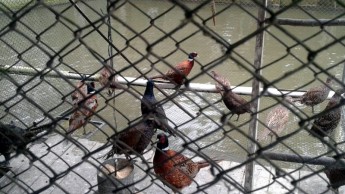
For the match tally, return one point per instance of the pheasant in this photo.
(234, 102)
(151, 110)
(85, 103)
(329, 120)
(178, 74)
(276, 120)
(107, 81)
(316, 95)
(15, 139)
(133, 140)
(336, 176)
(174, 168)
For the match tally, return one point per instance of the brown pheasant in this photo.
(234, 102)
(329, 120)
(336, 176)
(174, 168)
(276, 120)
(316, 95)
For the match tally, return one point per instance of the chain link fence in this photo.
(60, 133)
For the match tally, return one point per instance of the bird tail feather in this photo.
(157, 77)
(31, 132)
(203, 164)
(296, 99)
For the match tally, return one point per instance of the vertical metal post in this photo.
(248, 182)
(110, 48)
(342, 109)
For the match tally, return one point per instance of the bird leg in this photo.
(84, 130)
(238, 116)
(312, 109)
(232, 114)
(110, 92)
(84, 125)
(7, 159)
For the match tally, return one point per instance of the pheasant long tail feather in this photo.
(36, 130)
(296, 99)
(157, 77)
(203, 164)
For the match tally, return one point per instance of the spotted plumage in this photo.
(329, 118)
(316, 95)
(336, 176)
(276, 120)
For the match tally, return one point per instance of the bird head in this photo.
(163, 141)
(221, 82)
(149, 87)
(329, 80)
(90, 87)
(192, 55)
(340, 92)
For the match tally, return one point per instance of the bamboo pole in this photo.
(199, 87)
(255, 104)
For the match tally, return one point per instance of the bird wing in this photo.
(105, 74)
(184, 164)
(182, 69)
(77, 120)
(153, 111)
(161, 118)
(90, 105)
(131, 136)
(173, 168)
(79, 93)
(82, 113)
(235, 102)
(323, 123)
(311, 95)
(147, 106)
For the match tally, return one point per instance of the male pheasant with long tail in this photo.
(15, 139)
(154, 111)
(174, 168)
(178, 74)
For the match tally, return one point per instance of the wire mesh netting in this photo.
(121, 96)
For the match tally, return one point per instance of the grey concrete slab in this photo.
(54, 158)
